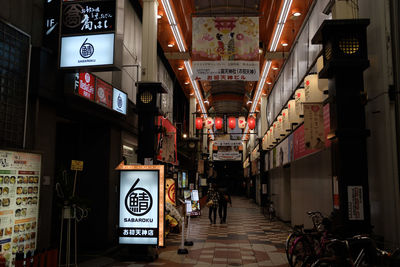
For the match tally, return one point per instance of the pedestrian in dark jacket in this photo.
(212, 195)
(225, 198)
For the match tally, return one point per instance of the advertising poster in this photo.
(170, 191)
(85, 85)
(104, 93)
(141, 211)
(356, 203)
(166, 146)
(225, 48)
(314, 133)
(299, 146)
(193, 197)
(19, 198)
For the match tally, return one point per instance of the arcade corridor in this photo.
(248, 239)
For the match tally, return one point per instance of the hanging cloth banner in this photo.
(225, 48)
(314, 126)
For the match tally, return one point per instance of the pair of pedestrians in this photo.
(218, 199)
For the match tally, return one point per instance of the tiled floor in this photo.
(248, 239)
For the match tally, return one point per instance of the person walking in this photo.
(212, 203)
(224, 199)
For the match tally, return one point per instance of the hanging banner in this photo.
(170, 191)
(234, 156)
(225, 48)
(227, 143)
(166, 146)
(19, 200)
(314, 133)
(141, 205)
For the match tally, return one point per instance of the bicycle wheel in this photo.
(289, 242)
(300, 251)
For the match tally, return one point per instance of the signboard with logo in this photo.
(85, 85)
(141, 209)
(119, 101)
(225, 48)
(170, 191)
(19, 198)
(87, 50)
(88, 17)
(104, 93)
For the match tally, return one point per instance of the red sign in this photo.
(327, 125)
(166, 145)
(104, 93)
(299, 146)
(86, 85)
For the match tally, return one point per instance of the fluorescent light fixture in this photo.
(173, 25)
(281, 23)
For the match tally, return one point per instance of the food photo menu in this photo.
(19, 202)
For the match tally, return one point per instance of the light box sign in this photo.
(119, 101)
(84, 86)
(141, 205)
(88, 17)
(87, 50)
(104, 93)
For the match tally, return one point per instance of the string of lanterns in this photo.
(218, 122)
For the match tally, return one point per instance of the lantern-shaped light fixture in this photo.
(300, 99)
(251, 122)
(232, 122)
(312, 93)
(286, 127)
(199, 123)
(218, 123)
(209, 123)
(241, 122)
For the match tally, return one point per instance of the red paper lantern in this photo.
(232, 122)
(218, 123)
(251, 122)
(199, 123)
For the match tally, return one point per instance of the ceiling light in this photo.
(281, 23)
(275, 67)
(170, 45)
(249, 102)
(260, 51)
(284, 44)
(206, 101)
(159, 16)
(296, 13)
(173, 25)
(269, 82)
(184, 135)
(180, 68)
(187, 82)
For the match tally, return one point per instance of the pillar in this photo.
(192, 110)
(149, 41)
(345, 9)
(264, 122)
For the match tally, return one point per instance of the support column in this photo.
(149, 41)
(264, 101)
(345, 9)
(192, 109)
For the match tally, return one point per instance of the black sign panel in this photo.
(88, 17)
(51, 23)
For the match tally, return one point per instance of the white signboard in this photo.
(19, 202)
(119, 101)
(139, 207)
(227, 156)
(356, 203)
(226, 70)
(87, 50)
(227, 143)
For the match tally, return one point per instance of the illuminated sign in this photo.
(141, 209)
(84, 85)
(119, 101)
(104, 93)
(87, 50)
(88, 17)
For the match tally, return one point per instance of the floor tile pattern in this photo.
(248, 239)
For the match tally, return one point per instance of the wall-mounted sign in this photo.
(88, 17)
(119, 101)
(19, 198)
(141, 209)
(51, 23)
(234, 156)
(84, 85)
(87, 50)
(104, 93)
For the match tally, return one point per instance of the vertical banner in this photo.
(166, 146)
(141, 205)
(225, 48)
(19, 203)
(314, 133)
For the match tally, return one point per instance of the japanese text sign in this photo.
(141, 211)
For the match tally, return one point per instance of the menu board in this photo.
(19, 202)
(193, 197)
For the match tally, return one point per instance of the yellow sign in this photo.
(76, 165)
